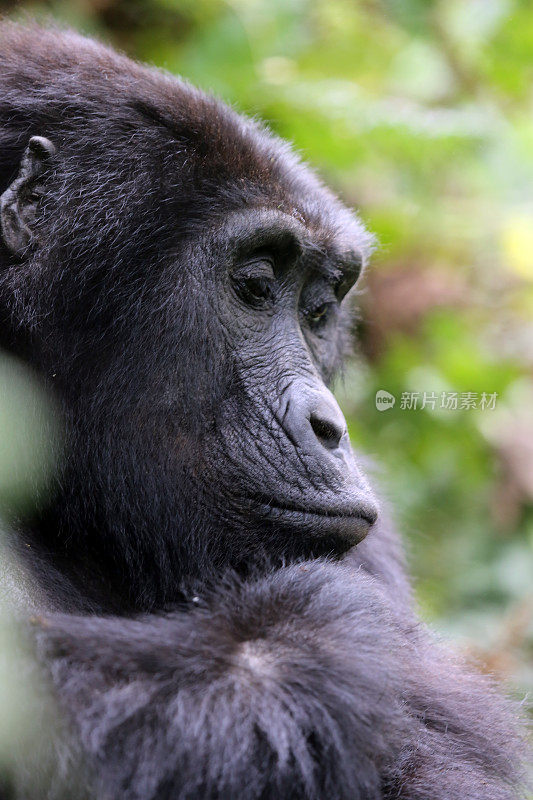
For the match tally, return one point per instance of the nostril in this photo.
(329, 433)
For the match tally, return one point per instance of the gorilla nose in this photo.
(314, 418)
(327, 423)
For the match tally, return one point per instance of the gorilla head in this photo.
(178, 278)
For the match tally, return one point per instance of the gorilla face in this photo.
(187, 306)
(284, 460)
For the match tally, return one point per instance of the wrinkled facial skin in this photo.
(288, 464)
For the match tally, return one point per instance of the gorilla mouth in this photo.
(350, 524)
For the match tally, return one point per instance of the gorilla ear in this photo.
(18, 204)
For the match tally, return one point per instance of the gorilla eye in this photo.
(318, 315)
(257, 289)
(255, 282)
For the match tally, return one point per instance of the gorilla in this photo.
(217, 607)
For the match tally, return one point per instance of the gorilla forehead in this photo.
(195, 153)
(235, 163)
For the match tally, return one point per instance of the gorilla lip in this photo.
(348, 524)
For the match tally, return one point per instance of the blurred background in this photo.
(420, 114)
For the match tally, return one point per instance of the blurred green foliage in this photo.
(420, 114)
(30, 440)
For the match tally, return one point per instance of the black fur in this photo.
(206, 629)
(304, 683)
